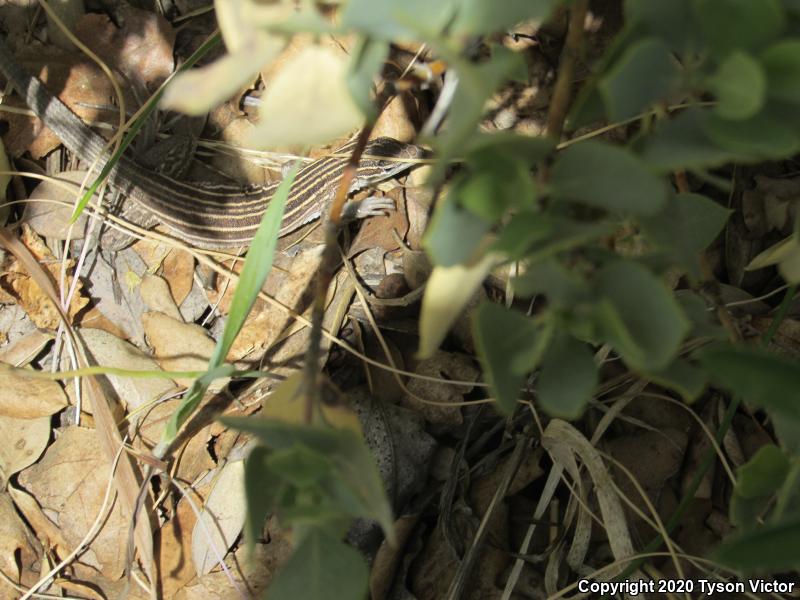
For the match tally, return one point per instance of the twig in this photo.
(562, 92)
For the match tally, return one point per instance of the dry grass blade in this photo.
(127, 483)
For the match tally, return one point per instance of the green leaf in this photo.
(520, 147)
(367, 61)
(682, 377)
(704, 324)
(681, 143)
(731, 24)
(355, 485)
(321, 568)
(536, 236)
(568, 378)
(685, 227)
(639, 317)
(506, 341)
(299, 465)
(763, 474)
(478, 17)
(670, 21)
(645, 74)
(740, 86)
(781, 61)
(520, 233)
(550, 278)
(454, 234)
(760, 377)
(774, 547)
(495, 184)
(395, 21)
(261, 491)
(757, 138)
(476, 84)
(608, 177)
(745, 512)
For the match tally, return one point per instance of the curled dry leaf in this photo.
(16, 280)
(25, 396)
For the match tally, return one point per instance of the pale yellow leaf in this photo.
(307, 101)
(448, 291)
(774, 254)
(197, 91)
(242, 21)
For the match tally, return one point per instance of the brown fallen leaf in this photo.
(24, 440)
(141, 49)
(174, 544)
(110, 351)
(179, 346)
(256, 572)
(76, 80)
(24, 349)
(221, 519)
(18, 547)
(176, 266)
(23, 396)
(447, 365)
(156, 295)
(70, 483)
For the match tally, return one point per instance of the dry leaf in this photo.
(448, 366)
(179, 346)
(51, 204)
(173, 264)
(156, 295)
(17, 545)
(174, 549)
(24, 349)
(110, 351)
(222, 518)
(70, 483)
(24, 396)
(141, 49)
(27, 292)
(24, 440)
